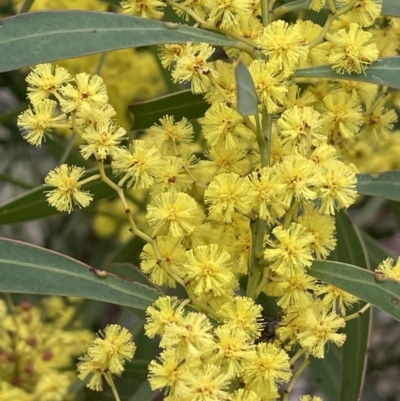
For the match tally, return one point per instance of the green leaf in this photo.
(246, 92)
(32, 204)
(360, 282)
(391, 8)
(376, 252)
(40, 37)
(180, 104)
(351, 249)
(385, 71)
(30, 269)
(386, 184)
(326, 372)
(144, 393)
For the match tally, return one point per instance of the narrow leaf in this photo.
(32, 204)
(351, 249)
(144, 393)
(246, 92)
(376, 252)
(180, 104)
(30, 269)
(360, 282)
(39, 37)
(385, 71)
(386, 184)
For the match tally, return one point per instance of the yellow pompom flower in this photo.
(244, 395)
(170, 134)
(68, 189)
(226, 13)
(90, 115)
(284, 45)
(316, 5)
(291, 252)
(268, 366)
(144, 8)
(138, 164)
(350, 53)
(163, 312)
(173, 254)
(209, 270)
(365, 12)
(242, 313)
(176, 211)
(103, 140)
(334, 297)
(379, 124)
(342, 116)
(88, 89)
(310, 398)
(192, 65)
(390, 268)
(37, 123)
(269, 84)
(223, 127)
(336, 185)
(45, 80)
(226, 194)
(319, 328)
(52, 386)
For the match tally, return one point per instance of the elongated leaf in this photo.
(247, 96)
(390, 8)
(40, 37)
(386, 184)
(326, 373)
(385, 71)
(376, 252)
(180, 104)
(351, 249)
(360, 282)
(32, 204)
(33, 270)
(144, 393)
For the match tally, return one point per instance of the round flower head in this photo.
(226, 194)
(284, 45)
(244, 314)
(267, 367)
(145, 9)
(192, 66)
(365, 12)
(89, 116)
(350, 53)
(66, 180)
(226, 13)
(291, 254)
(390, 268)
(244, 395)
(88, 89)
(334, 297)
(45, 80)
(209, 269)
(378, 124)
(139, 163)
(316, 5)
(319, 328)
(170, 134)
(46, 388)
(176, 211)
(269, 84)
(39, 122)
(223, 127)
(103, 140)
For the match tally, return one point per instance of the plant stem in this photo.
(300, 370)
(358, 313)
(110, 382)
(26, 6)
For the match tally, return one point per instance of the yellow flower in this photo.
(173, 255)
(52, 386)
(316, 5)
(284, 45)
(226, 13)
(365, 12)
(267, 368)
(89, 89)
(350, 53)
(244, 395)
(209, 270)
(244, 314)
(319, 328)
(144, 8)
(66, 180)
(291, 253)
(269, 84)
(37, 123)
(223, 127)
(170, 134)
(138, 164)
(176, 211)
(378, 124)
(336, 184)
(45, 80)
(103, 140)
(226, 194)
(390, 268)
(192, 65)
(334, 297)
(163, 312)
(89, 115)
